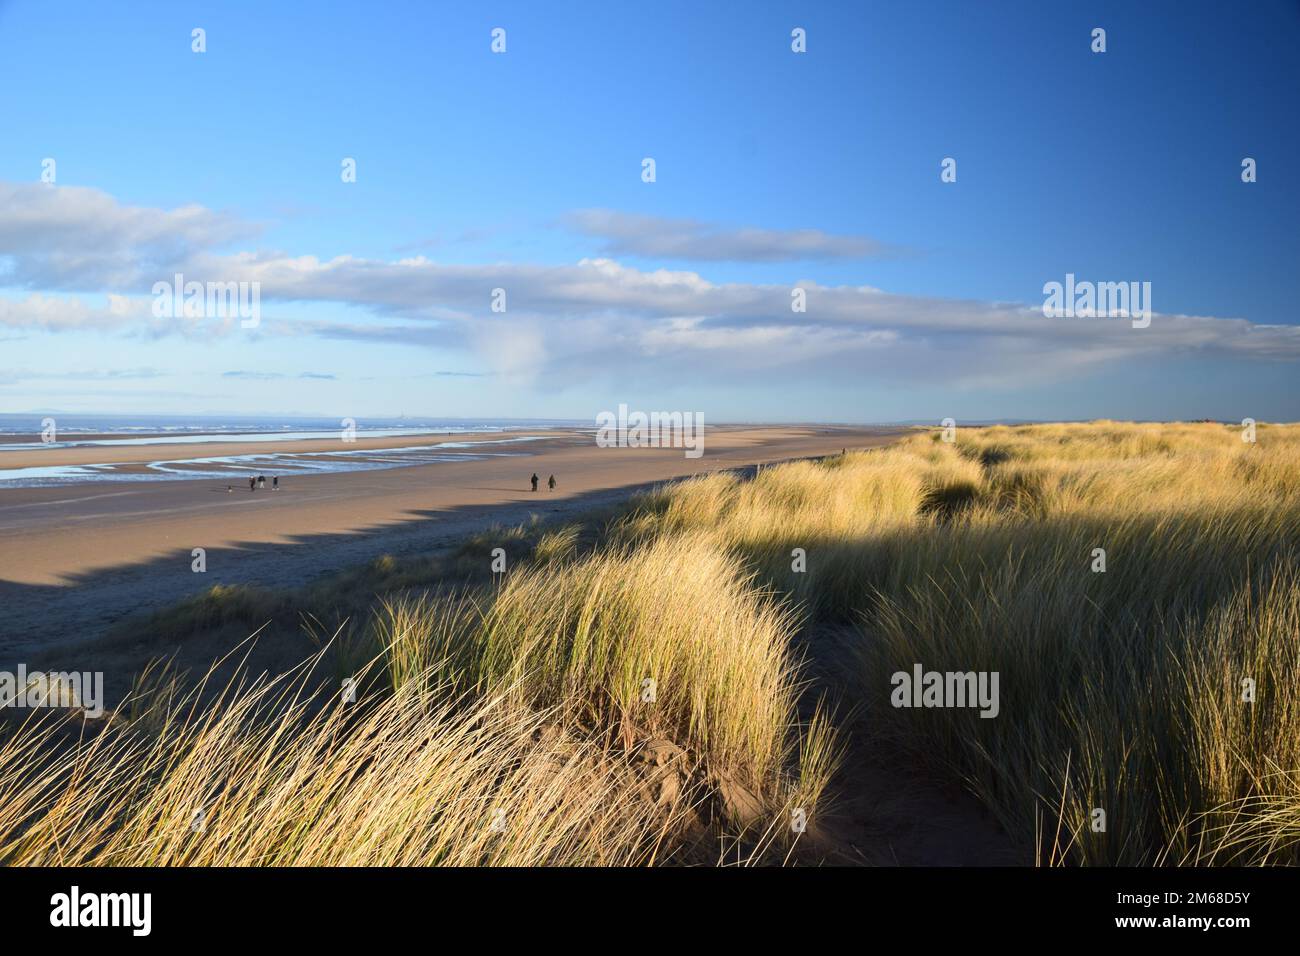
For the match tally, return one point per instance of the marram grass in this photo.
(1122, 689)
(635, 697)
(633, 707)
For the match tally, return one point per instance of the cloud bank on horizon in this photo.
(592, 318)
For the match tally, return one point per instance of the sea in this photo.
(441, 440)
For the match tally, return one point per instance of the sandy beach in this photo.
(77, 559)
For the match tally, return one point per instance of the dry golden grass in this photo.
(632, 707)
(1120, 690)
(535, 700)
(264, 777)
(674, 621)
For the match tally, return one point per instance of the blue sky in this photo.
(522, 171)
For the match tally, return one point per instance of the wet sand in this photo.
(75, 559)
(141, 455)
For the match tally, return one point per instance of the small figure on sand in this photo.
(550, 482)
(252, 483)
(229, 488)
(275, 483)
(534, 481)
(261, 481)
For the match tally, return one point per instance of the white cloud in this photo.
(596, 318)
(628, 234)
(75, 238)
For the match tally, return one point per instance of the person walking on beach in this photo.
(261, 481)
(534, 481)
(551, 483)
(252, 483)
(275, 483)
